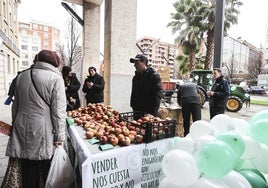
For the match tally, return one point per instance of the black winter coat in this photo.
(146, 91)
(95, 93)
(221, 90)
(72, 91)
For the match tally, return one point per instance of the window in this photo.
(24, 47)
(25, 63)
(35, 26)
(45, 28)
(45, 36)
(14, 65)
(45, 43)
(34, 48)
(8, 64)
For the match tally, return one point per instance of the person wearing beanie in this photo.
(93, 86)
(72, 85)
(38, 118)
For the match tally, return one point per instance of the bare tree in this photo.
(60, 50)
(74, 51)
(70, 51)
(256, 67)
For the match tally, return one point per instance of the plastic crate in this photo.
(151, 131)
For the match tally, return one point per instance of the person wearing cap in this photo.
(219, 93)
(38, 119)
(72, 85)
(146, 87)
(188, 99)
(93, 86)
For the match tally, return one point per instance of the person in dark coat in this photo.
(188, 99)
(218, 95)
(94, 86)
(146, 87)
(72, 85)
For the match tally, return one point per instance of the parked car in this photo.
(257, 90)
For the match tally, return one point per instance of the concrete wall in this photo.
(119, 46)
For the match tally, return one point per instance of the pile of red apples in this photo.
(103, 122)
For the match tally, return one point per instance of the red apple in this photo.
(103, 139)
(99, 134)
(132, 137)
(89, 134)
(118, 130)
(114, 140)
(139, 138)
(126, 141)
(125, 131)
(120, 137)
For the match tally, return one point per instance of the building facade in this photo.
(35, 36)
(239, 57)
(159, 54)
(9, 51)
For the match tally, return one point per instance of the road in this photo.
(244, 113)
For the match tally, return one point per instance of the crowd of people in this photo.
(42, 94)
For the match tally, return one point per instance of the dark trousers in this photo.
(34, 173)
(215, 110)
(189, 109)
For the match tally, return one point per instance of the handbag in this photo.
(13, 176)
(61, 172)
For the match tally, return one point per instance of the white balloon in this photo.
(240, 126)
(165, 183)
(200, 128)
(260, 162)
(236, 180)
(221, 123)
(180, 168)
(206, 182)
(200, 142)
(186, 144)
(252, 148)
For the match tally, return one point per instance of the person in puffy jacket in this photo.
(94, 86)
(38, 118)
(146, 87)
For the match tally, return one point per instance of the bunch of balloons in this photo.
(223, 153)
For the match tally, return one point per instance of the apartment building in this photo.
(159, 53)
(35, 36)
(9, 51)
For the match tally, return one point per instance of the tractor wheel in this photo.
(234, 104)
(202, 97)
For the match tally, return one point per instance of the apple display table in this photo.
(137, 165)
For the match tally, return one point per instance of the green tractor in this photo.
(204, 79)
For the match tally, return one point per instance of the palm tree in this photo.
(208, 13)
(193, 19)
(187, 21)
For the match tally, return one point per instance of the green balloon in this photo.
(235, 141)
(256, 171)
(255, 180)
(258, 130)
(238, 165)
(259, 115)
(216, 159)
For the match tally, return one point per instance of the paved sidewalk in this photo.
(5, 115)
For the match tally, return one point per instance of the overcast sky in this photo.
(153, 16)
